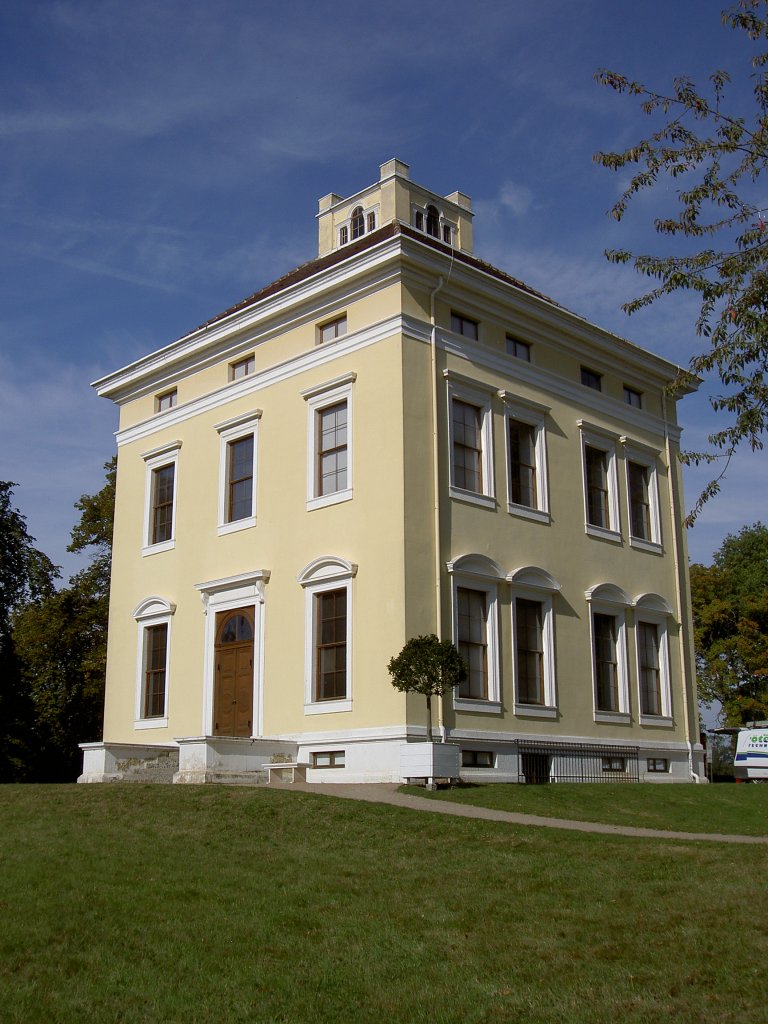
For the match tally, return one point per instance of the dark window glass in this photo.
(240, 473)
(357, 222)
(590, 379)
(596, 462)
(463, 325)
(467, 446)
(639, 502)
(331, 645)
(522, 464)
(529, 620)
(156, 638)
(473, 642)
(650, 670)
(632, 397)
(606, 663)
(162, 504)
(332, 449)
(433, 222)
(518, 349)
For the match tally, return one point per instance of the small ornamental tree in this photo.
(429, 666)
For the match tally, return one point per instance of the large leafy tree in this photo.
(428, 666)
(717, 154)
(61, 643)
(730, 619)
(27, 578)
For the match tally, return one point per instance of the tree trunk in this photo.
(429, 718)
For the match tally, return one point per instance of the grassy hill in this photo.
(183, 904)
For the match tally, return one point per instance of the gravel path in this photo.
(387, 793)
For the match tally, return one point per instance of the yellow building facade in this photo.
(397, 439)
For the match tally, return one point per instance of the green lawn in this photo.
(725, 809)
(152, 904)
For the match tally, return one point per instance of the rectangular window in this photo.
(162, 503)
(447, 233)
(614, 764)
(529, 634)
(343, 235)
(473, 642)
(240, 479)
(467, 446)
(522, 464)
(328, 758)
(519, 349)
(477, 759)
(639, 500)
(596, 471)
(463, 325)
(332, 331)
(166, 401)
(632, 397)
(606, 664)
(418, 220)
(155, 667)
(591, 379)
(371, 221)
(658, 764)
(331, 645)
(242, 368)
(331, 434)
(650, 668)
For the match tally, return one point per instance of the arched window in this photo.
(236, 629)
(433, 221)
(358, 222)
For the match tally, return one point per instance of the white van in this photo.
(751, 761)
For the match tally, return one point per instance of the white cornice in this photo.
(189, 350)
(546, 381)
(317, 356)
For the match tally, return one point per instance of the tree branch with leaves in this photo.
(719, 155)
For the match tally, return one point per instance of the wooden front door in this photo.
(233, 689)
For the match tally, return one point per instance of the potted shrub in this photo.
(432, 667)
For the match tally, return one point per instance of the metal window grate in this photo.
(544, 761)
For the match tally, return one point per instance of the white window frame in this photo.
(592, 437)
(533, 415)
(648, 457)
(153, 611)
(534, 584)
(654, 610)
(159, 458)
(480, 396)
(318, 398)
(329, 572)
(235, 430)
(607, 599)
(476, 572)
(248, 363)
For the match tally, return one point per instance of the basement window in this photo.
(328, 758)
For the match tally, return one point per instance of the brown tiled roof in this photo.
(314, 266)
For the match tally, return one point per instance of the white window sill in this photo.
(155, 549)
(660, 721)
(327, 707)
(613, 717)
(484, 707)
(534, 711)
(602, 534)
(329, 499)
(236, 525)
(472, 498)
(151, 723)
(646, 545)
(524, 512)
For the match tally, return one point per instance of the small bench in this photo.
(292, 766)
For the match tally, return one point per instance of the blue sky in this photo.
(161, 160)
